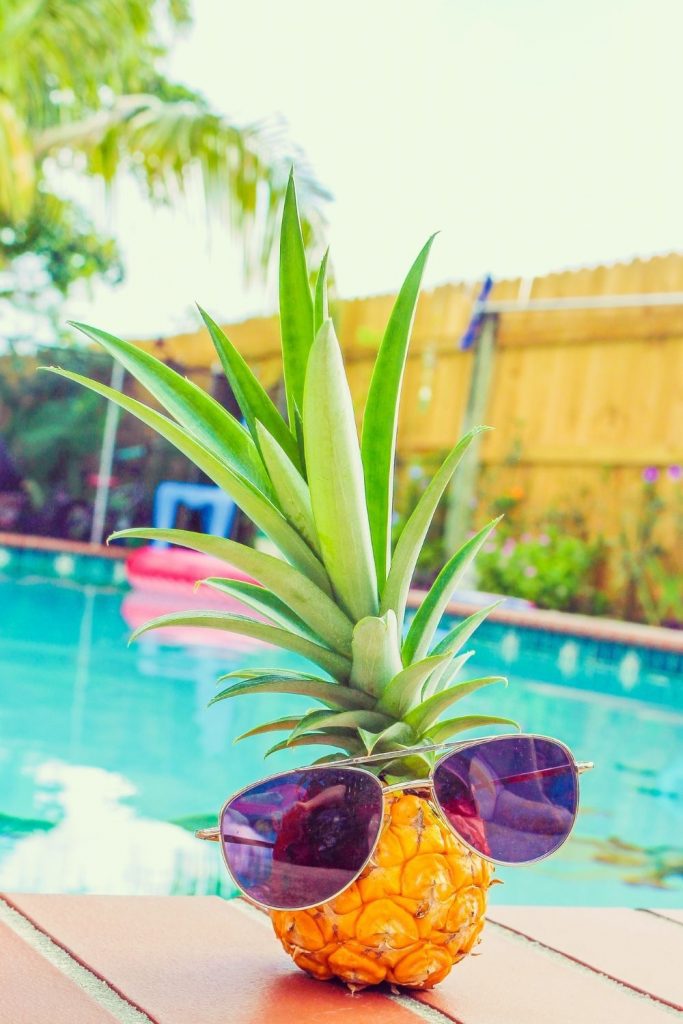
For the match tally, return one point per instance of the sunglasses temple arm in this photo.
(581, 766)
(212, 834)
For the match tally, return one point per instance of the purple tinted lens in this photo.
(513, 798)
(300, 839)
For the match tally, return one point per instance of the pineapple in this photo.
(417, 910)
(337, 596)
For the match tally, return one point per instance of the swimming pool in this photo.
(109, 756)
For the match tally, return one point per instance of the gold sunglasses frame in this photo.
(355, 764)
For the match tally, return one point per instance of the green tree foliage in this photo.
(82, 86)
(50, 430)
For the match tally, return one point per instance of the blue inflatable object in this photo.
(217, 509)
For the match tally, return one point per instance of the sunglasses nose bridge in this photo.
(397, 787)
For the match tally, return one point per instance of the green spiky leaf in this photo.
(337, 665)
(332, 719)
(296, 304)
(451, 643)
(197, 412)
(376, 653)
(252, 398)
(299, 432)
(345, 740)
(380, 422)
(306, 600)
(256, 673)
(276, 725)
(425, 714)
(335, 478)
(395, 592)
(262, 601)
(405, 688)
(412, 766)
(291, 490)
(241, 490)
(444, 676)
(443, 731)
(321, 308)
(395, 736)
(457, 637)
(331, 694)
(428, 616)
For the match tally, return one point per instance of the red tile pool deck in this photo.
(202, 960)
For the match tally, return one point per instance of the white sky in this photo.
(536, 134)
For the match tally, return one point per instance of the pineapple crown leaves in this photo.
(338, 595)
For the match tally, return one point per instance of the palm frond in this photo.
(244, 169)
(17, 165)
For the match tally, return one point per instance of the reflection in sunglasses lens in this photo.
(513, 798)
(297, 840)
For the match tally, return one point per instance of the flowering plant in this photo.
(650, 586)
(551, 568)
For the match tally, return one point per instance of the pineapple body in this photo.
(415, 911)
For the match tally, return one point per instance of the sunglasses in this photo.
(299, 838)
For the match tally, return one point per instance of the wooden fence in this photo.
(582, 401)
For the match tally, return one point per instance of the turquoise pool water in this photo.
(109, 755)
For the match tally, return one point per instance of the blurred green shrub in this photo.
(552, 559)
(52, 431)
(551, 568)
(649, 585)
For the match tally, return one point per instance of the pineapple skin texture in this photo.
(417, 909)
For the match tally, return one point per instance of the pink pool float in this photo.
(164, 580)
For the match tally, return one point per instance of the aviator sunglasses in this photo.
(299, 838)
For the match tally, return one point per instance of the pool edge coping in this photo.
(585, 626)
(34, 542)
(569, 623)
